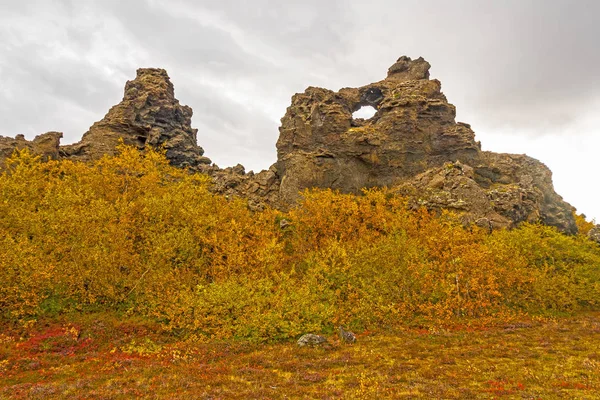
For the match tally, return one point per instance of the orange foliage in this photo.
(583, 225)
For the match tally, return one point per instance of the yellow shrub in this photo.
(583, 225)
(134, 233)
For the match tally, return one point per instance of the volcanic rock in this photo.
(311, 340)
(148, 115)
(594, 234)
(413, 143)
(260, 189)
(322, 145)
(45, 145)
(406, 69)
(470, 193)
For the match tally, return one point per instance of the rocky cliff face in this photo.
(412, 144)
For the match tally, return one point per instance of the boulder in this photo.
(311, 340)
(594, 234)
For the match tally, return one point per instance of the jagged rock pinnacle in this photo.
(148, 115)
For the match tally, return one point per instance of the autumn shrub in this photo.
(132, 233)
(24, 282)
(558, 272)
(583, 225)
(126, 229)
(264, 309)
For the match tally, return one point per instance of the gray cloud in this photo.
(523, 66)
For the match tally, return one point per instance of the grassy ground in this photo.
(104, 357)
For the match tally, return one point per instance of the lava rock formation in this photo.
(412, 144)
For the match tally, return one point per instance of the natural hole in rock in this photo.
(364, 112)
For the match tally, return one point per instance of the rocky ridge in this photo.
(412, 144)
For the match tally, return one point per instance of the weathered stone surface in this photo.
(149, 114)
(453, 187)
(511, 194)
(530, 192)
(594, 234)
(321, 145)
(414, 143)
(45, 145)
(406, 69)
(311, 340)
(260, 189)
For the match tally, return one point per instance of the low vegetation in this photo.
(101, 356)
(131, 237)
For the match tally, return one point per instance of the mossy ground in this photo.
(105, 356)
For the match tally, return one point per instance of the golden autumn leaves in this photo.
(132, 233)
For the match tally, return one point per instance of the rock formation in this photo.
(322, 145)
(412, 144)
(594, 234)
(148, 115)
(45, 145)
(497, 192)
(260, 189)
(312, 340)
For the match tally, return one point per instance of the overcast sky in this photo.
(523, 73)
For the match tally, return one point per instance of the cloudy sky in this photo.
(523, 73)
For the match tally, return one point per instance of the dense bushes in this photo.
(134, 234)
